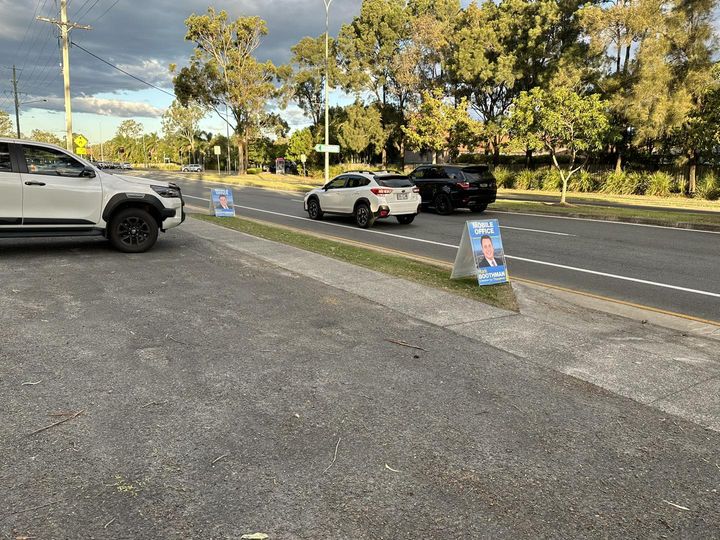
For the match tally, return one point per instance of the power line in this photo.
(35, 37)
(122, 70)
(105, 12)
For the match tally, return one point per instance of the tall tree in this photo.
(304, 78)
(182, 122)
(361, 129)
(6, 125)
(373, 59)
(45, 136)
(224, 73)
(438, 125)
(558, 120)
(301, 142)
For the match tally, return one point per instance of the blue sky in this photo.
(143, 38)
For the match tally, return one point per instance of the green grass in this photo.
(657, 217)
(501, 296)
(265, 180)
(672, 201)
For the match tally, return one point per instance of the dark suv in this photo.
(446, 187)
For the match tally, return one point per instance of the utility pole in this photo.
(65, 28)
(327, 76)
(17, 104)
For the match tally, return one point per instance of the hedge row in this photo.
(657, 184)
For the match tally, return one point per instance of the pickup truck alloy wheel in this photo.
(133, 230)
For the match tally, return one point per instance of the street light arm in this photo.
(34, 101)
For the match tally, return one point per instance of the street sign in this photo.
(81, 151)
(217, 150)
(303, 158)
(331, 148)
(80, 141)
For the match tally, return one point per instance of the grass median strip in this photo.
(501, 296)
(656, 217)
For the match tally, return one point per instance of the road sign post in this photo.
(217, 151)
(303, 159)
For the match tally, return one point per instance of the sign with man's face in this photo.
(222, 202)
(481, 253)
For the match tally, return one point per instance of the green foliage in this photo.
(659, 184)
(224, 73)
(304, 78)
(361, 128)
(559, 119)
(551, 180)
(528, 179)
(6, 126)
(624, 183)
(709, 187)
(583, 182)
(254, 170)
(46, 137)
(301, 142)
(504, 177)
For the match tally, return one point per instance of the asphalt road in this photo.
(206, 394)
(669, 269)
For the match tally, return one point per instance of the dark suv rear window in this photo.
(478, 173)
(394, 181)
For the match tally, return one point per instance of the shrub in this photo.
(623, 183)
(254, 170)
(583, 181)
(550, 180)
(708, 188)
(528, 179)
(659, 184)
(504, 177)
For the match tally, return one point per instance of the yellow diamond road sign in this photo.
(80, 141)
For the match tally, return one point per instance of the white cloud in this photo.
(107, 107)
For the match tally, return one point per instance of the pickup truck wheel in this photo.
(443, 204)
(133, 230)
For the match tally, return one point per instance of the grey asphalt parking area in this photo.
(221, 396)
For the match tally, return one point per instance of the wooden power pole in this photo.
(65, 28)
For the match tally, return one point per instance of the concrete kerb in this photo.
(663, 381)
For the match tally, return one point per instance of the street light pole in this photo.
(327, 102)
(17, 104)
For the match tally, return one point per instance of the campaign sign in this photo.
(481, 253)
(222, 202)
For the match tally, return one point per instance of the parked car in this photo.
(192, 167)
(367, 196)
(126, 166)
(447, 187)
(47, 191)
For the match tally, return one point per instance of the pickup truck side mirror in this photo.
(88, 172)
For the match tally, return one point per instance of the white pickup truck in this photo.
(48, 191)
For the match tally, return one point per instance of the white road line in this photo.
(615, 276)
(534, 261)
(536, 231)
(490, 211)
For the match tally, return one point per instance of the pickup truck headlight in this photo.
(167, 191)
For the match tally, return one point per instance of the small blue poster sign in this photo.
(481, 253)
(222, 202)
